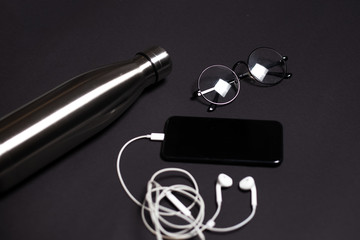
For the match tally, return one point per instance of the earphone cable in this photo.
(237, 226)
(122, 182)
(158, 213)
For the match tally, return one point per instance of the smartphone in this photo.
(223, 140)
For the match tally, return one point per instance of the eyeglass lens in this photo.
(218, 85)
(267, 66)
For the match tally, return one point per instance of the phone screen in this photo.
(220, 140)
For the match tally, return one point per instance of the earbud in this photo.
(246, 184)
(223, 181)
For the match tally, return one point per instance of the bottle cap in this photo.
(160, 60)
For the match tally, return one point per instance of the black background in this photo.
(314, 194)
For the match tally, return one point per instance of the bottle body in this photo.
(41, 131)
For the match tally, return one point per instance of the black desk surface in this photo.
(314, 194)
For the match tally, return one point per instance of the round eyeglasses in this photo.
(220, 85)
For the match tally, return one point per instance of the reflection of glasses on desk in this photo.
(220, 85)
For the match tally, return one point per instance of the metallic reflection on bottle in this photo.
(49, 126)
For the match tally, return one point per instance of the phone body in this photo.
(223, 140)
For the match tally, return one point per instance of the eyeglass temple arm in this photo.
(281, 62)
(212, 106)
(278, 74)
(195, 95)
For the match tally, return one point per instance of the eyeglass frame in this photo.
(253, 79)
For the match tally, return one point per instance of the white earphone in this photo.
(223, 181)
(194, 225)
(246, 184)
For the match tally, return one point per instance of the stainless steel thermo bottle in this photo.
(44, 129)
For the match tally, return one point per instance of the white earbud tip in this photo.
(247, 183)
(224, 180)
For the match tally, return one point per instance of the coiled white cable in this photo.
(160, 215)
(163, 227)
